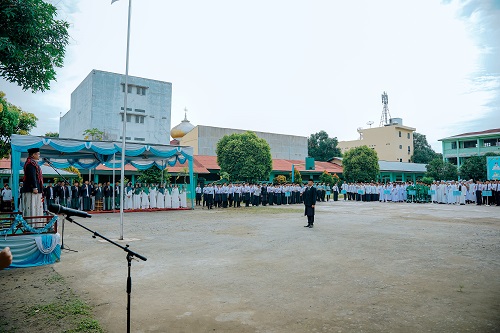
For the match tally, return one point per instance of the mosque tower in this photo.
(180, 130)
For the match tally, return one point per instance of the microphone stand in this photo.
(130, 255)
(67, 248)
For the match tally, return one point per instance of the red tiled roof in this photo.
(490, 131)
(286, 165)
(5, 163)
(198, 167)
(209, 162)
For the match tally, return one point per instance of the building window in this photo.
(400, 160)
(139, 119)
(126, 138)
(491, 142)
(409, 149)
(139, 139)
(408, 135)
(129, 118)
(400, 146)
(128, 109)
(140, 110)
(141, 91)
(470, 144)
(129, 88)
(399, 133)
(453, 145)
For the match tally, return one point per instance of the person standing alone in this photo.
(309, 197)
(32, 185)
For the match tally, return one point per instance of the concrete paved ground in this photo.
(365, 267)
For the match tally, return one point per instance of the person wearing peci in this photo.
(75, 196)
(309, 197)
(85, 195)
(32, 185)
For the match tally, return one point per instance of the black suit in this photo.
(50, 195)
(309, 197)
(85, 191)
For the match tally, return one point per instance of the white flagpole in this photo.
(124, 135)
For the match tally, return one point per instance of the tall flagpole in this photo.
(124, 135)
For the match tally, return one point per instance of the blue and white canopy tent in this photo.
(38, 246)
(85, 154)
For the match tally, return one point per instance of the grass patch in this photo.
(72, 315)
(61, 310)
(56, 278)
(87, 325)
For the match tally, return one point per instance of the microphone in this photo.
(58, 209)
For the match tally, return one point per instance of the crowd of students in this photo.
(89, 196)
(235, 195)
(444, 192)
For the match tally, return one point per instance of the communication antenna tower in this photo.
(386, 116)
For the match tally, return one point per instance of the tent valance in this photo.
(85, 154)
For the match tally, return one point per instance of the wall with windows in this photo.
(391, 142)
(457, 149)
(98, 103)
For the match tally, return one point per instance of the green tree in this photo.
(440, 170)
(322, 147)
(244, 156)
(474, 167)
(422, 150)
(13, 120)
(297, 177)
(52, 134)
(32, 43)
(326, 178)
(279, 179)
(224, 176)
(360, 165)
(79, 177)
(93, 134)
(427, 180)
(153, 175)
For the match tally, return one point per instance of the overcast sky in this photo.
(292, 67)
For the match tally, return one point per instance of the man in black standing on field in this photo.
(309, 197)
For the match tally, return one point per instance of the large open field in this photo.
(364, 267)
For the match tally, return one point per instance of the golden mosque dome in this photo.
(182, 129)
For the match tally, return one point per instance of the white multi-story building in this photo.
(98, 103)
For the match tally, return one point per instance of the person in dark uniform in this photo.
(63, 194)
(49, 194)
(75, 196)
(85, 194)
(309, 196)
(32, 185)
(99, 195)
(108, 193)
(263, 194)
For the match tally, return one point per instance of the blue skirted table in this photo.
(31, 246)
(33, 250)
